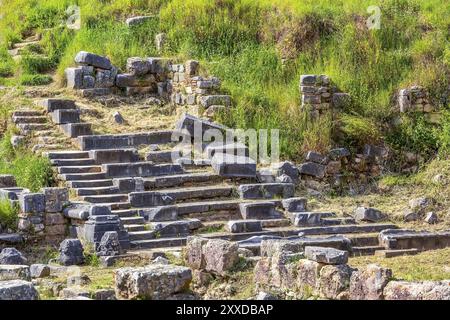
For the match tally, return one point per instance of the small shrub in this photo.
(35, 79)
(32, 63)
(8, 214)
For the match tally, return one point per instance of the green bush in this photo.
(8, 214)
(32, 63)
(35, 79)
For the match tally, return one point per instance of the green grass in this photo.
(35, 79)
(260, 48)
(8, 214)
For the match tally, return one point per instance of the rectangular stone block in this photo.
(233, 166)
(207, 101)
(242, 226)
(54, 104)
(197, 127)
(96, 92)
(129, 140)
(127, 185)
(12, 193)
(140, 169)
(259, 210)
(32, 202)
(114, 155)
(66, 116)
(74, 78)
(149, 199)
(91, 59)
(266, 190)
(55, 199)
(74, 130)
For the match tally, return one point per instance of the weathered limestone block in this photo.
(287, 168)
(14, 272)
(233, 166)
(241, 226)
(149, 199)
(18, 290)
(156, 282)
(105, 78)
(66, 116)
(114, 155)
(308, 275)
(109, 245)
(334, 281)
(71, 252)
(74, 78)
(32, 202)
(338, 153)
(326, 255)
(39, 271)
(316, 157)
(191, 67)
(7, 181)
(54, 104)
(266, 191)
(369, 283)
(312, 169)
(55, 199)
(193, 252)
(138, 66)
(197, 127)
(426, 290)
(87, 58)
(160, 40)
(207, 101)
(259, 211)
(74, 130)
(220, 256)
(405, 239)
(160, 213)
(295, 204)
(368, 214)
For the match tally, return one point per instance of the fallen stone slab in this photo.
(11, 238)
(266, 190)
(259, 210)
(286, 168)
(426, 290)
(14, 272)
(241, 226)
(233, 166)
(18, 290)
(77, 211)
(156, 282)
(317, 158)
(392, 239)
(91, 59)
(326, 255)
(368, 214)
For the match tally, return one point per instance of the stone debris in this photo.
(14, 272)
(154, 282)
(39, 271)
(71, 252)
(431, 218)
(18, 290)
(326, 255)
(426, 290)
(369, 283)
(109, 244)
(118, 118)
(12, 256)
(368, 214)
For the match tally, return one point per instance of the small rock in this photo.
(161, 260)
(154, 101)
(284, 178)
(118, 118)
(16, 141)
(368, 214)
(287, 168)
(39, 271)
(439, 179)
(265, 296)
(78, 280)
(105, 294)
(431, 218)
(71, 252)
(419, 205)
(12, 256)
(326, 255)
(409, 216)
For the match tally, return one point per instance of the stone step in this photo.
(396, 252)
(83, 176)
(72, 162)
(338, 221)
(29, 119)
(141, 235)
(90, 183)
(207, 192)
(128, 140)
(97, 191)
(118, 205)
(365, 251)
(74, 130)
(341, 229)
(27, 113)
(29, 127)
(231, 205)
(364, 240)
(67, 155)
(140, 169)
(179, 180)
(126, 213)
(132, 220)
(158, 243)
(134, 227)
(79, 169)
(106, 198)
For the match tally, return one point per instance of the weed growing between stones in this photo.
(8, 215)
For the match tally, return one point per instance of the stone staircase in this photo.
(161, 203)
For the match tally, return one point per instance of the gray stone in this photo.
(138, 20)
(172, 228)
(284, 178)
(17, 140)
(334, 281)
(105, 294)
(74, 130)
(295, 204)
(39, 271)
(220, 256)
(191, 67)
(118, 118)
(140, 169)
(55, 199)
(431, 218)
(197, 127)
(114, 155)
(426, 290)
(242, 226)
(87, 58)
(7, 181)
(316, 157)
(99, 210)
(161, 260)
(338, 153)
(18, 290)
(266, 191)
(149, 199)
(88, 82)
(207, 101)
(308, 79)
(105, 78)
(233, 166)
(138, 66)
(71, 252)
(12, 256)
(265, 296)
(109, 245)
(287, 168)
(419, 205)
(326, 255)
(369, 283)
(259, 210)
(54, 104)
(368, 214)
(160, 40)
(312, 169)
(409, 216)
(32, 202)
(14, 272)
(160, 214)
(156, 282)
(74, 78)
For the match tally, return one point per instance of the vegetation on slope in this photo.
(260, 48)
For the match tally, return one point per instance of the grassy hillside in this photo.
(259, 48)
